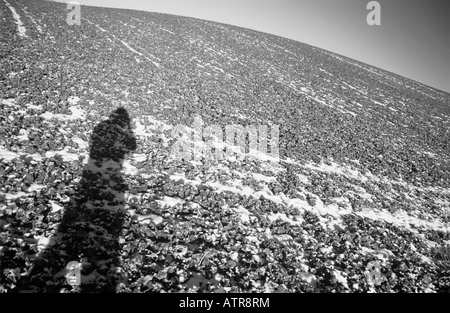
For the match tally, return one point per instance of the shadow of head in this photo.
(120, 115)
(113, 138)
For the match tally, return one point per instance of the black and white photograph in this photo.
(236, 147)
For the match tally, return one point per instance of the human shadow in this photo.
(93, 217)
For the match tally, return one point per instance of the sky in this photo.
(413, 39)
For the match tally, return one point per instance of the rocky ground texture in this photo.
(363, 174)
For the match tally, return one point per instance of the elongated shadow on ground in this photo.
(93, 218)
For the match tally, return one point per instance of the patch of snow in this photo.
(39, 29)
(170, 201)
(7, 155)
(73, 100)
(150, 218)
(282, 216)
(55, 206)
(34, 107)
(21, 29)
(166, 30)
(10, 102)
(284, 238)
(377, 102)
(103, 30)
(304, 179)
(243, 213)
(184, 180)
(12, 196)
(23, 135)
(129, 169)
(309, 278)
(139, 157)
(403, 220)
(66, 155)
(77, 113)
(82, 144)
(44, 242)
(340, 279)
(36, 187)
(261, 177)
(336, 169)
(137, 52)
(322, 70)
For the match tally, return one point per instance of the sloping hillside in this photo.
(362, 177)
